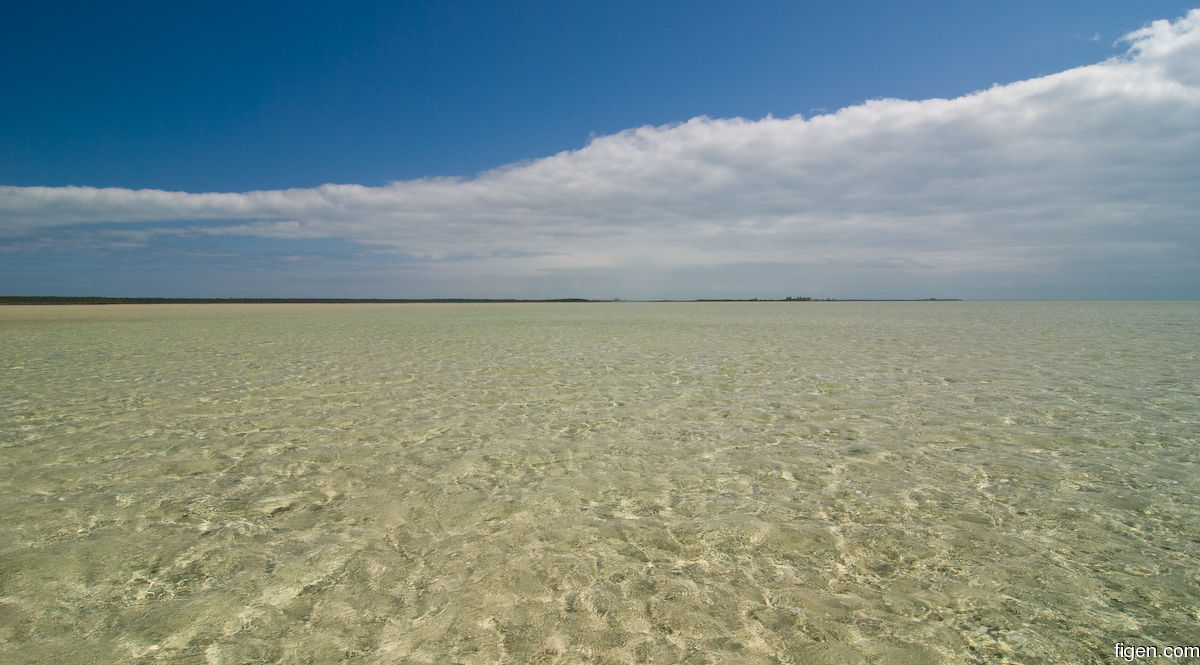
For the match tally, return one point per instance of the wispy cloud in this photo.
(1025, 184)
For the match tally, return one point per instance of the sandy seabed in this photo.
(598, 483)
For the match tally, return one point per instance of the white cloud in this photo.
(1092, 165)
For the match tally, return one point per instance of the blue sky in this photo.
(1018, 150)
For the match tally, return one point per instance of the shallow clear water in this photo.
(608, 483)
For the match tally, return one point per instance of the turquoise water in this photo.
(604, 483)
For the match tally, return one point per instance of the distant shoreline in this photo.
(99, 300)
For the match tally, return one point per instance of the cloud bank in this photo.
(1084, 183)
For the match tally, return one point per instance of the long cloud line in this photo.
(1098, 161)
